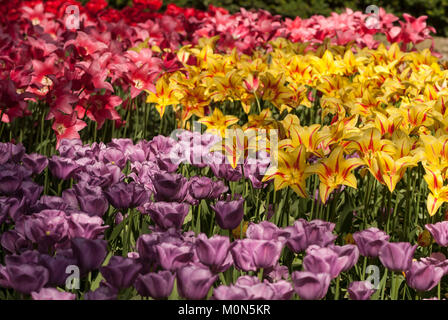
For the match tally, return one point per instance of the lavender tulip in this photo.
(439, 231)
(214, 252)
(370, 241)
(62, 168)
(360, 290)
(310, 286)
(422, 276)
(156, 285)
(229, 213)
(397, 256)
(52, 294)
(194, 281)
(325, 260)
(35, 162)
(121, 272)
(166, 214)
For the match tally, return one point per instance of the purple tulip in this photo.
(15, 242)
(423, 276)
(206, 188)
(310, 286)
(250, 254)
(370, 241)
(166, 214)
(265, 230)
(229, 213)
(62, 168)
(439, 231)
(397, 256)
(194, 281)
(169, 186)
(230, 293)
(127, 195)
(214, 252)
(360, 290)
(156, 285)
(10, 181)
(11, 276)
(57, 266)
(171, 257)
(348, 253)
(104, 292)
(325, 260)
(35, 162)
(91, 199)
(121, 272)
(113, 156)
(85, 226)
(276, 273)
(52, 294)
(304, 234)
(89, 254)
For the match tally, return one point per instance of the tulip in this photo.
(35, 162)
(194, 281)
(229, 213)
(397, 256)
(171, 257)
(62, 168)
(348, 253)
(156, 285)
(85, 226)
(422, 276)
(230, 293)
(169, 186)
(89, 254)
(325, 260)
(310, 286)
(26, 278)
(52, 294)
(360, 290)
(370, 241)
(104, 292)
(214, 252)
(439, 231)
(121, 272)
(167, 214)
(126, 195)
(265, 230)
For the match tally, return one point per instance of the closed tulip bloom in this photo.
(126, 195)
(370, 241)
(52, 294)
(194, 281)
(169, 186)
(310, 286)
(265, 230)
(26, 278)
(156, 285)
(397, 256)
(297, 239)
(62, 168)
(214, 252)
(113, 156)
(200, 187)
(266, 253)
(229, 213)
(10, 181)
(89, 254)
(423, 276)
(121, 272)
(35, 162)
(171, 256)
(85, 226)
(325, 260)
(360, 290)
(167, 214)
(439, 231)
(282, 290)
(348, 253)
